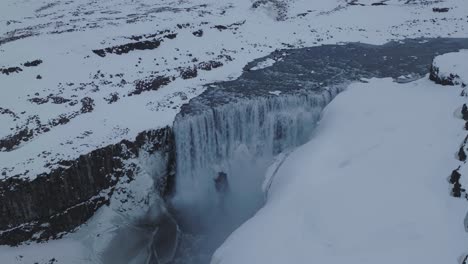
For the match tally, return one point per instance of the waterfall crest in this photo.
(239, 140)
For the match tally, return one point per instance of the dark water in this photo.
(318, 67)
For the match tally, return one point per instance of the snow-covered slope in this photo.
(370, 187)
(78, 75)
(450, 68)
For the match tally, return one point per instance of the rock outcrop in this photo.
(57, 202)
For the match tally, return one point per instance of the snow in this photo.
(263, 64)
(453, 63)
(370, 187)
(373, 133)
(63, 35)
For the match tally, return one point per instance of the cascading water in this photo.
(237, 142)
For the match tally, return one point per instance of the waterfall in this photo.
(238, 140)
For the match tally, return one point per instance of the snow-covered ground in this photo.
(452, 66)
(91, 86)
(370, 187)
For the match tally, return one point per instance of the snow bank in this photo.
(193, 34)
(451, 68)
(370, 187)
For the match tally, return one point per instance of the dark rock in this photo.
(68, 196)
(59, 100)
(9, 70)
(87, 105)
(457, 189)
(461, 154)
(464, 112)
(440, 9)
(198, 33)
(126, 48)
(38, 77)
(113, 97)
(60, 120)
(355, 2)
(33, 63)
(6, 111)
(189, 73)
(150, 85)
(220, 27)
(379, 4)
(181, 26)
(51, 98)
(10, 142)
(171, 36)
(209, 65)
(38, 100)
(465, 260)
(100, 53)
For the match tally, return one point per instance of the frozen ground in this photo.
(74, 78)
(77, 75)
(370, 187)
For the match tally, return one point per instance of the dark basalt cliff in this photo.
(452, 79)
(59, 201)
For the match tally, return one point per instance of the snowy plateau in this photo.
(247, 131)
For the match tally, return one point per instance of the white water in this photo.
(239, 139)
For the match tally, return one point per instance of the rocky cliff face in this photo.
(59, 201)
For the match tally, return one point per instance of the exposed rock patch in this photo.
(198, 33)
(33, 63)
(189, 73)
(10, 142)
(443, 80)
(150, 85)
(440, 9)
(113, 97)
(87, 105)
(209, 65)
(126, 48)
(9, 70)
